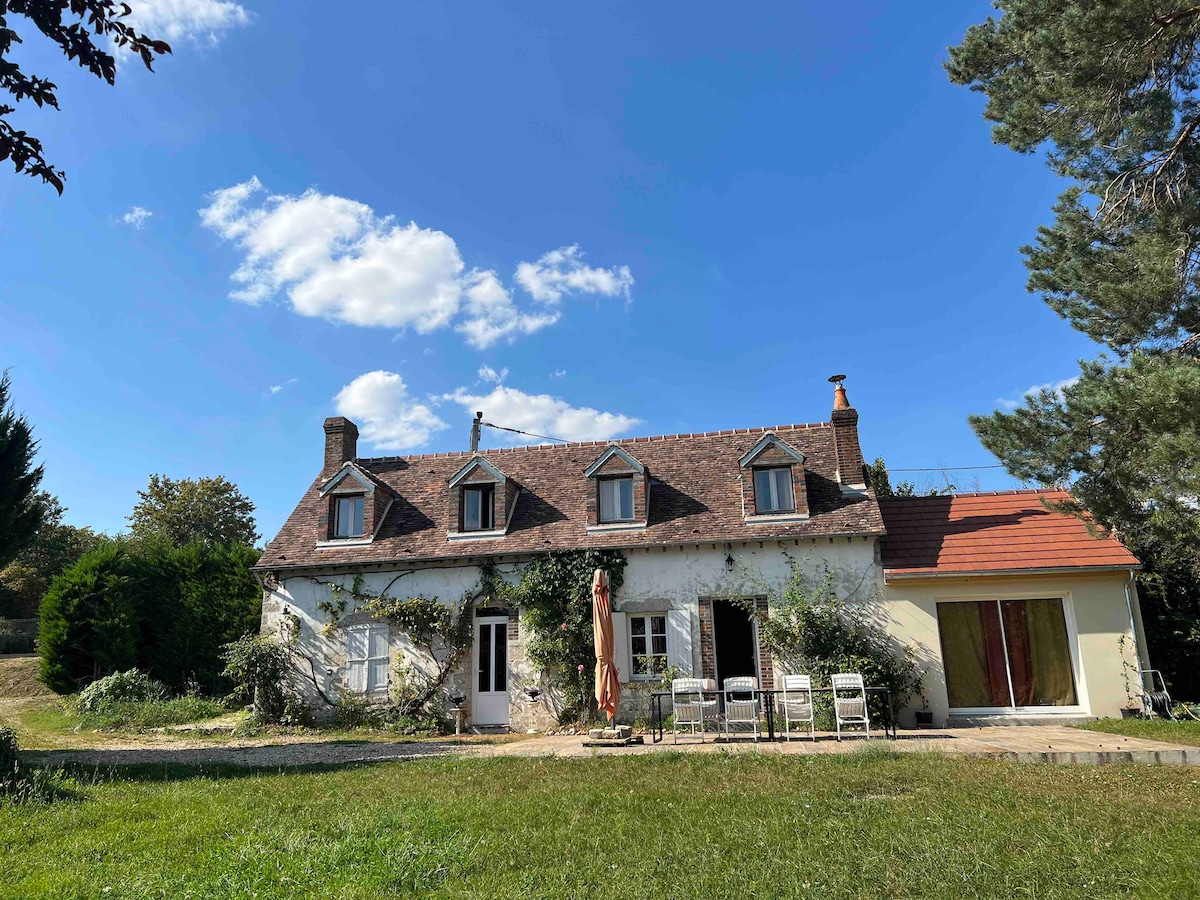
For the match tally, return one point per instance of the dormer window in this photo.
(479, 508)
(356, 502)
(773, 491)
(774, 485)
(349, 517)
(616, 500)
(482, 500)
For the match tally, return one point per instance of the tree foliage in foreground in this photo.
(56, 546)
(86, 31)
(1109, 89)
(193, 509)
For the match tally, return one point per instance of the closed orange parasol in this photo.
(608, 687)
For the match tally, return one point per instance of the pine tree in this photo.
(21, 511)
(1109, 89)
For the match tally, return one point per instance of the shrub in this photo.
(813, 631)
(121, 687)
(8, 753)
(355, 710)
(259, 667)
(164, 610)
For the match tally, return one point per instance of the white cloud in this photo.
(562, 271)
(335, 258)
(1056, 387)
(542, 414)
(487, 373)
(559, 373)
(390, 419)
(187, 20)
(136, 216)
(276, 388)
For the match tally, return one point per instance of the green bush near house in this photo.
(147, 605)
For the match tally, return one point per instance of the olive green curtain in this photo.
(964, 655)
(1049, 654)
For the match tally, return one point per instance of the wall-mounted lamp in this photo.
(728, 562)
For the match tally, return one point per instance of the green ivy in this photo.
(555, 594)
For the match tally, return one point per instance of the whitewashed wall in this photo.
(656, 580)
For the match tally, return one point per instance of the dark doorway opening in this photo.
(733, 636)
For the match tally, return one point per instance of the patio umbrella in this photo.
(608, 688)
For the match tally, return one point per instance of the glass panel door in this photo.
(1006, 654)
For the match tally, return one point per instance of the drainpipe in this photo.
(1133, 631)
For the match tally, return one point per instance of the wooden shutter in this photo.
(356, 658)
(621, 646)
(679, 639)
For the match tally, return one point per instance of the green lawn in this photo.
(1182, 732)
(671, 825)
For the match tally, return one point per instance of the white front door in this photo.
(490, 705)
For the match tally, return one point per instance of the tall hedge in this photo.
(147, 605)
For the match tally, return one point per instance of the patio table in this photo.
(767, 697)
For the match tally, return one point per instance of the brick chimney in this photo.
(844, 419)
(341, 442)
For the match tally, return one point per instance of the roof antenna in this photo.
(475, 423)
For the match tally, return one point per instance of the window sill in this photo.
(776, 518)
(344, 542)
(605, 527)
(490, 534)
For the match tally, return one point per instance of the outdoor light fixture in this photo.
(728, 562)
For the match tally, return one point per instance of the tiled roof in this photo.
(992, 532)
(695, 497)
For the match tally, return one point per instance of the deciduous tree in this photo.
(88, 32)
(179, 511)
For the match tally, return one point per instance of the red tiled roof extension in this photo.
(991, 532)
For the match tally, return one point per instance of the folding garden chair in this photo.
(796, 703)
(850, 702)
(689, 706)
(741, 703)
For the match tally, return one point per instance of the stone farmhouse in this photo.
(1017, 612)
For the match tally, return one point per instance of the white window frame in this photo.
(665, 634)
(367, 632)
(773, 496)
(614, 485)
(338, 518)
(481, 491)
(1081, 708)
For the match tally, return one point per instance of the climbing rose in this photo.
(581, 667)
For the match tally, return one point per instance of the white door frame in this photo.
(490, 707)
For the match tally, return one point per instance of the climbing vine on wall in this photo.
(555, 594)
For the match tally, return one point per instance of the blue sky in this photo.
(755, 201)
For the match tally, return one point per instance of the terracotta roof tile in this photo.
(991, 532)
(695, 497)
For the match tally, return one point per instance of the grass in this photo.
(1186, 731)
(671, 825)
(149, 713)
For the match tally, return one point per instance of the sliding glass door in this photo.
(1006, 654)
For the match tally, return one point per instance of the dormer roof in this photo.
(356, 473)
(614, 450)
(770, 440)
(478, 462)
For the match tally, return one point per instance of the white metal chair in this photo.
(850, 702)
(689, 706)
(796, 704)
(741, 703)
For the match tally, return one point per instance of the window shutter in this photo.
(679, 639)
(356, 642)
(356, 677)
(621, 646)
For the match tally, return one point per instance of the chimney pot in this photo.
(341, 442)
(839, 392)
